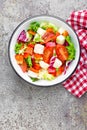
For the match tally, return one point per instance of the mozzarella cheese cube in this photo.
(60, 39)
(43, 65)
(41, 31)
(57, 63)
(61, 30)
(32, 74)
(38, 48)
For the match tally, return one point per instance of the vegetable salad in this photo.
(43, 50)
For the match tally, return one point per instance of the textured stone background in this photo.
(25, 107)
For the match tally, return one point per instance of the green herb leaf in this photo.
(37, 38)
(70, 48)
(29, 61)
(34, 79)
(34, 26)
(46, 25)
(17, 47)
(57, 69)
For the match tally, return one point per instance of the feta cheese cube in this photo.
(57, 63)
(41, 31)
(61, 30)
(32, 74)
(38, 48)
(60, 39)
(44, 65)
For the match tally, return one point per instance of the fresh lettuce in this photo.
(34, 79)
(70, 48)
(21, 51)
(37, 38)
(46, 25)
(17, 47)
(29, 61)
(51, 25)
(45, 75)
(34, 26)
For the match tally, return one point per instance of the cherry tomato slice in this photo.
(48, 52)
(24, 66)
(61, 52)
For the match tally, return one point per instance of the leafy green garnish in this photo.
(51, 25)
(34, 79)
(34, 26)
(46, 25)
(21, 51)
(45, 75)
(17, 47)
(37, 38)
(70, 48)
(57, 69)
(29, 61)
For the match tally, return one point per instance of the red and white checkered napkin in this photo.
(77, 83)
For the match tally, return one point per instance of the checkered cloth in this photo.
(77, 83)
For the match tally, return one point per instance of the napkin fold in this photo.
(77, 83)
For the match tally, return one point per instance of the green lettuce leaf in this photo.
(70, 48)
(29, 61)
(46, 25)
(34, 26)
(17, 47)
(37, 38)
(34, 79)
(45, 75)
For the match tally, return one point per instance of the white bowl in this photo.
(58, 22)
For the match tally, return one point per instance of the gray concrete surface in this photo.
(23, 106)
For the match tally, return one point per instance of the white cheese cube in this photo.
(32, 74)
(38, 48)
(57, 63)
(61, 30)
(41, 31)
(60, 39)
(43, 65)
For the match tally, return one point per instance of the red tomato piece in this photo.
(61, 52)
(50, 30)
(55, 36)
(19, 58)
(65, 33)
(26, 55)
(24, 66)
(36, 66)
(38, 56)
(31, 32)
(48, 36)
(48, 53)
(31, 45)
(60, 70)
(34, 70)
(29, 50)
